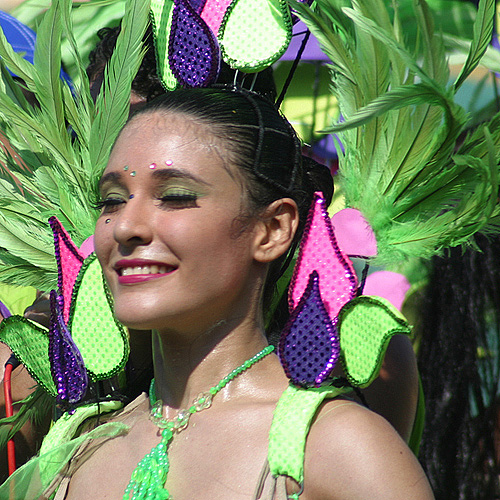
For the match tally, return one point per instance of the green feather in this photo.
(55, 152)
(113, 102)
(400, 167)
(36, 408)
(483, 29)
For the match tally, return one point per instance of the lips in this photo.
(136, 271)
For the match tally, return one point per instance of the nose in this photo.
(133, 224)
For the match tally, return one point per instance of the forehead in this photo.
(170, 140)
(157, 134)
(169, 130)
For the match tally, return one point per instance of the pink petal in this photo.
(320, 252)
(69, 262)
(213, 12)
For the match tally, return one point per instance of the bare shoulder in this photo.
(354, 453)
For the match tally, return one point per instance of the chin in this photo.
(137, 322)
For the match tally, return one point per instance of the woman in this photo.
(203, 196)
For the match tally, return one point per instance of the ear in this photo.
(275, 230)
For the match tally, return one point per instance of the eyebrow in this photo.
(114, 177)
(168, 173)
(162, 173)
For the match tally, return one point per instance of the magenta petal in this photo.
(320, 252)
(193, 51)
(69, 262)
(87, 247)
(66, 362)
(213, 13)
(309, 346)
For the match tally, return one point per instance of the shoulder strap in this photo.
(291, 423)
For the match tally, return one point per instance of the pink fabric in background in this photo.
(87, 247)
(354, 235)
(389, 285)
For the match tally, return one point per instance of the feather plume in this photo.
(401, 167)
(36, 408)
(113, 103)
(52, 155)
(483, 28)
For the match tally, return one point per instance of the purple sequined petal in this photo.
(66, 362)
(309, 346)
(197, 5)
(193, 52)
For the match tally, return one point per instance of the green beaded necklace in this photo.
(149, 477)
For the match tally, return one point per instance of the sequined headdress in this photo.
(406, 184)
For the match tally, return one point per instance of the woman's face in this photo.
(169, 239)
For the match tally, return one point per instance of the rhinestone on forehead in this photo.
(152, 166)
(169, 163)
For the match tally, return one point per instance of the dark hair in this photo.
(262, 143)
(146, 83)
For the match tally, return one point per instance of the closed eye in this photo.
(179, 199)
(108, 205)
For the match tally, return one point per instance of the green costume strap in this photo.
(294, 413)
(32, 480)
(65, 429)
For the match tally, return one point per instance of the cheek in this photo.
(102, 241)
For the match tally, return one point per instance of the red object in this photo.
(9, 411)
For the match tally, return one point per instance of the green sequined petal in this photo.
(30, 343)
(366, 324)
(161, 20)
(265, 23)
(101, 339)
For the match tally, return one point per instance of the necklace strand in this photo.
(150, 475)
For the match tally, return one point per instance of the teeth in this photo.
(154, 269)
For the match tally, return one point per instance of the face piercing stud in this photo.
(169, 163)
(107, 221)
(152, 166)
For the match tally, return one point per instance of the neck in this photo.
(184, 370)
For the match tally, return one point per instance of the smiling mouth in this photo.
(145, 270)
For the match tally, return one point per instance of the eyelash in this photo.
(108, 204)
(182, 200)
